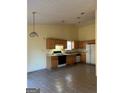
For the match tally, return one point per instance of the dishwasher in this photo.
(78, 58)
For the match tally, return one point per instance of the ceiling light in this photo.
(82, 13)
(78, 17)
(79, 22)
(63, 21)
(33, 34)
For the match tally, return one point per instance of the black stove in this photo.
(61, 58)
(58, 53)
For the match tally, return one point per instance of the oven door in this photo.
(62, 60)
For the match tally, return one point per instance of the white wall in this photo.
(37, 46)
(87, 31)
(36, 54)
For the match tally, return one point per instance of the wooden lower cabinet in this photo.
(83, 57)
(70, 59)
(54, 61)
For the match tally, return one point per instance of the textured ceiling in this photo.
(54, 11)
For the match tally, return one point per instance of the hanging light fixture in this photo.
(33, 34)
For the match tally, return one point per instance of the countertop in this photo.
(64, 54)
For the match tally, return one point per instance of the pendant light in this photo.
(33, 34)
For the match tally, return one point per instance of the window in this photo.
(70, 45)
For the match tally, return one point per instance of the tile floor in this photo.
(79, 78)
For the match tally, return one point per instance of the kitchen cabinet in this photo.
(65, 44)
(70, 59)
(54, 61)
(91, 41)
(82, 44)
(83, 57)
(51, 43)
(76, 44)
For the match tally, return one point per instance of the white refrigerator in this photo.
(90, 54)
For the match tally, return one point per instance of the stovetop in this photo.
(57, 53)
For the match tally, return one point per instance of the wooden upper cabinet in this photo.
(82, 44)
(76, 44)
(65, 44)
(90, 41)
(51, 43)
(61, 42)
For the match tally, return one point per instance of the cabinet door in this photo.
(83, 57)
(61, 42)
(54, 62)
(91, 41)
(57, 42)
(70, 59)
(65, 44)
(76, 44)
(50, 44)
(82, 44)
(47, 43)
